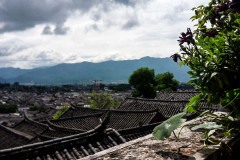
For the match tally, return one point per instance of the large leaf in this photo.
(211, 132)
(193, 103)
(165, 129)
(207, 125)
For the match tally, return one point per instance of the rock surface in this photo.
(189, 146)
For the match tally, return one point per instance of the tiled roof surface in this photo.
(203, 106)
(79, 111)
(175, 96)
(67, 148)
(117, 120)
(83, 131)
(133, 133)
(166, 108)
(31, 127)
(84, 123)
(58, 128)
(52, 134)
(11, 138)
(131, 119)
(89, 142)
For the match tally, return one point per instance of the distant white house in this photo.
(22, 109)
(86, 106)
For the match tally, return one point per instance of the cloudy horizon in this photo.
(44, 33)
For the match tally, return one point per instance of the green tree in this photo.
(60, 112)
(143, 81)
(8, 108)
(120, 87)
(165, 81)
(212, 51)
(102, 101)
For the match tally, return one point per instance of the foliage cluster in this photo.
(142, 80)
(8, 108)
(120, 87)
(146, 83)
(212, 52)
(165, 81)
(102, 101)
(60, 112)
(38, 108)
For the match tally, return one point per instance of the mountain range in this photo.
(87, 72)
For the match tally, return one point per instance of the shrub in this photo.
(8, 108)
(59, 113)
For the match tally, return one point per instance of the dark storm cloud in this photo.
(127, 2)
(175, 15)
(84, 5)
(131, 23)
(60, 30)
(24, 14)
(17, 15)
(47, 30)
(94, 27)
(21, 15)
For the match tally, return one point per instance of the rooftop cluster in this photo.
(80, 132)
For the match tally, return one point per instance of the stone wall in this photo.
(189, 146)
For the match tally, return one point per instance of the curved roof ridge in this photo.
(45, 137)
(154, 100)
(100, 127)
(93, 109)
(135, 111)
(76, 117)
(178, 92)
(38, 124)
(83, 108)
(57, 127)
(16, 132)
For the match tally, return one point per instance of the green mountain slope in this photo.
(108, 72)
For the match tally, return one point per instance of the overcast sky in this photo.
(35, 33)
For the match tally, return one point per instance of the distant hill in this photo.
(2, 80)
(86, 72)
(8, 73)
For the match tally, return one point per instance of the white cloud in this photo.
(94, 31)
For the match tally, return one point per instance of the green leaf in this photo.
(211, 132)
(213, 74)
(165, 129)
(205, 113)
(220, 84)
(193, 103)
(237, 113)
(181, 63)
(207, 125)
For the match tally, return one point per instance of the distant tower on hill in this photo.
(96, 85)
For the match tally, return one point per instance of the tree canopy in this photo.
(212, 53)
(146, 83)
(8, 108)
(166, 81)
(102, 101)
(143, 81)
(60, 112)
